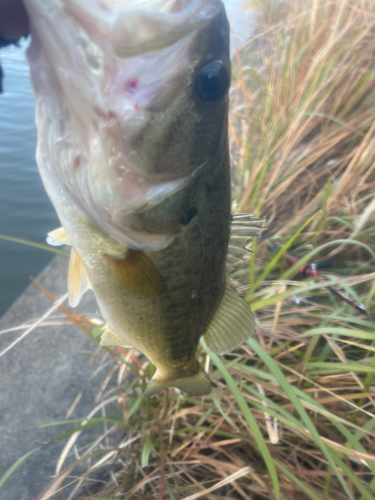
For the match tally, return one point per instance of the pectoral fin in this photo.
(233, 323)
(137, 273)
(197, 385)
(109, 338)
(78, 280)
(58, 237)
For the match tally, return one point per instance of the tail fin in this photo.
(196, 385)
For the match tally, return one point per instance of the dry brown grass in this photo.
(306, 117)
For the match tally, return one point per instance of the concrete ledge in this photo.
(40, 379)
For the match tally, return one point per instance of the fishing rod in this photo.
(311, 270)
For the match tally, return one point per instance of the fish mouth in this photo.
(135, 31)
(104, 147)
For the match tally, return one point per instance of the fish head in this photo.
(131, 105)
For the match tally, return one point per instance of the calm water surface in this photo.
(25, 209)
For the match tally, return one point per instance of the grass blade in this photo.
(249, 418)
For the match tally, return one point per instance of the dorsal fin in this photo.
(58, 237)
(78, 280)
(137, 273)
(243, 219)
(233, 323)
(243, 227)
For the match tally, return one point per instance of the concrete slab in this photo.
(40, 378)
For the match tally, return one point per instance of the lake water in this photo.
(25, 209)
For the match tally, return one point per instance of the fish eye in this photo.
(213, 81)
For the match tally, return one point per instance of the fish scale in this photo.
(132, 119)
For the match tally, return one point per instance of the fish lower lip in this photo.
(139, 32)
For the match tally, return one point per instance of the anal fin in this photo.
(109, 338)
(233, 323)
(78, 280)
(58, 237)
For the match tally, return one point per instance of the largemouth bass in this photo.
(131, 111)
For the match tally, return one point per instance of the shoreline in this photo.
(41, 377)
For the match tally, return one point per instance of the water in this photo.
(25, 209)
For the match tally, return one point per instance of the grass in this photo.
(291, 416)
